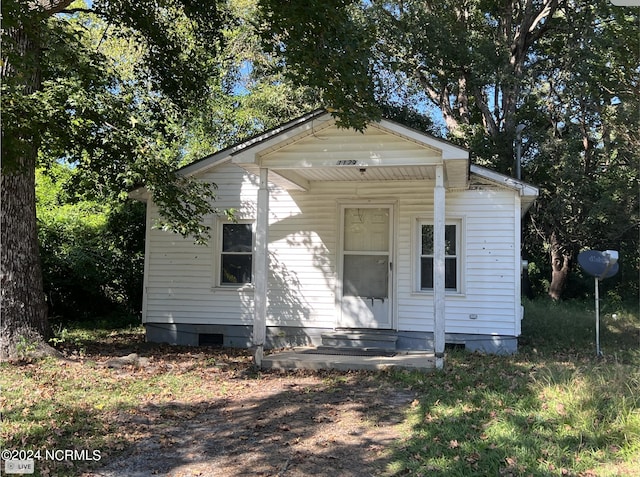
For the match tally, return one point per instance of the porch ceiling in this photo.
(456, 174)
(365, 173)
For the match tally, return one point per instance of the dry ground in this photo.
(239, 421)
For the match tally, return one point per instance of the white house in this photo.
(390, 233)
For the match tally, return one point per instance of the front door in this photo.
(365, 295)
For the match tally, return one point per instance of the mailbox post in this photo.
(600, 265)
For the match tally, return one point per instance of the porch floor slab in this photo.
(301, 358)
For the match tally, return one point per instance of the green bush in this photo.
(92, 251)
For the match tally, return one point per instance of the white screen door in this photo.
(366, 267)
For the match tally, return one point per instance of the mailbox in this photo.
(600, 265)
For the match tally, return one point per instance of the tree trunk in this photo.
(24, 327)
(560, 267)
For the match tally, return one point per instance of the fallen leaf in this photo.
(473, 458)
(511, 461)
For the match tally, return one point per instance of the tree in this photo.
(250, 95)
(90, 266)
(468, 59)
(61, 98)
(325, 45)
(584, 115)
(483, 66)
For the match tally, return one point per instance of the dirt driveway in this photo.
(267, 424)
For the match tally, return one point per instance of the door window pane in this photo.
(366, 229)
(366, 276)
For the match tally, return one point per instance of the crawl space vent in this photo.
(210, 339)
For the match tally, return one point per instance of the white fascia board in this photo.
(239, 152)
(226, 155)
(140, 194)
(525, 189)
(251, 153)
(448, 150)
(209, 162)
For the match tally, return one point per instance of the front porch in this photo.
(316, 152)
(344, 359)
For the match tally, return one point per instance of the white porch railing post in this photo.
(261, 268)
(439, 266)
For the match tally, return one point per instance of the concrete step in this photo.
(369, 339)
(299, 359)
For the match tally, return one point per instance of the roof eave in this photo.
(528, 193)
(224, 155)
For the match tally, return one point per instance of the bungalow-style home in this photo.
(388, 237)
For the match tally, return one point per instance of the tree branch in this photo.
(530, 30)
(71, 11)
(50, 7)
(441, 99)
(548, 10)
(488, 119)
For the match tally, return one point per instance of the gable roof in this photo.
(225, 154)
(312, 148)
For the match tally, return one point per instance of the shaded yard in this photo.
(554, 409)
(185, 411)
(289, 424)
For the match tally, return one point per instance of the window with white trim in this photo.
(451, 256)
(235, 254)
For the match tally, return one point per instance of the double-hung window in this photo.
(236, 254)
(451, 256)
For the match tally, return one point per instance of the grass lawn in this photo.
(552, 409)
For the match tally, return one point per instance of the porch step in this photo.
(365, 340)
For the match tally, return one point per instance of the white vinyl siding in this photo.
(487, 265)
(180, 285)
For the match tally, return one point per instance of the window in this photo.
(451, 256)
(236, 254)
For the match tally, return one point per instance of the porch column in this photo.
(439, 266)
(261, 268)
